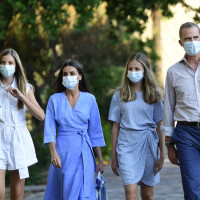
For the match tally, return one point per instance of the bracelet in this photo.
(167, 144)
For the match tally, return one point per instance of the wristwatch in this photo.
(167, 144)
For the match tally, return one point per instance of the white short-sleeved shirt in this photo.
(16, 146)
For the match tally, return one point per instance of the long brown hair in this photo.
(83, 85)
(19, 73)
(152, 93)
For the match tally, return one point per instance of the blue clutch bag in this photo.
(101, 193)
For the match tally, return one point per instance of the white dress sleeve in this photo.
(28, 86)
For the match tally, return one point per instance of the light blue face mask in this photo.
(70, 82)
(192, 48)
(135, 77)
(7, 70)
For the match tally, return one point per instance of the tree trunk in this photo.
(156, 27)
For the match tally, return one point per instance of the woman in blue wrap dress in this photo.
(72, 115)
(136, 111)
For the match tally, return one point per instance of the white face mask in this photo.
(135, 77)
(7, 70)
(70, 81)
(192, 48)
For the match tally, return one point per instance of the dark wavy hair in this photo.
(83, 85)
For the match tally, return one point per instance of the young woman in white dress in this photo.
(17, 151)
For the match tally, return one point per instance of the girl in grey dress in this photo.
(136, 111)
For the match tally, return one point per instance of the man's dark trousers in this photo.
(187, 140)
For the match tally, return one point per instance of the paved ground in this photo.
(169, 187)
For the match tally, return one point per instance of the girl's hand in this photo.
(100, 167)
(159, 165)
(14, 92)
(114, 165)
(55, 160)
(29, 101)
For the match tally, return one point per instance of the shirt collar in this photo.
(14, 84)
(184, 60)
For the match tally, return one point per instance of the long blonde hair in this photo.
(19, 73)
(152, 93)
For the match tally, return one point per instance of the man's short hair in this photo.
(187, 25)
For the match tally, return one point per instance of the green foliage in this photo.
(5, 17)
(49, 15)
(103, 81)
(107, 130)
(196, 10)
(134, 14)
(85, 11)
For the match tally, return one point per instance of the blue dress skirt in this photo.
(78, 130)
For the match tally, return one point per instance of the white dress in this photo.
(16, 146)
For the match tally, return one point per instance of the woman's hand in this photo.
(14, 92)
(55, 160)
(114, 165)
(159, 165)
(100, 167)
(97, 152)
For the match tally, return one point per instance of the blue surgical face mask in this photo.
(135, 77)
(70, 82)
(192, 48)
(7, 70)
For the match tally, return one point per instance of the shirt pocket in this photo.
(186, 95)
(185, 88)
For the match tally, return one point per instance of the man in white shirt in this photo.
(182, 105)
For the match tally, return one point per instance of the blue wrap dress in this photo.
(137, 144)
(78, 130)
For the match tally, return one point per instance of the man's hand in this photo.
(172, 155)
